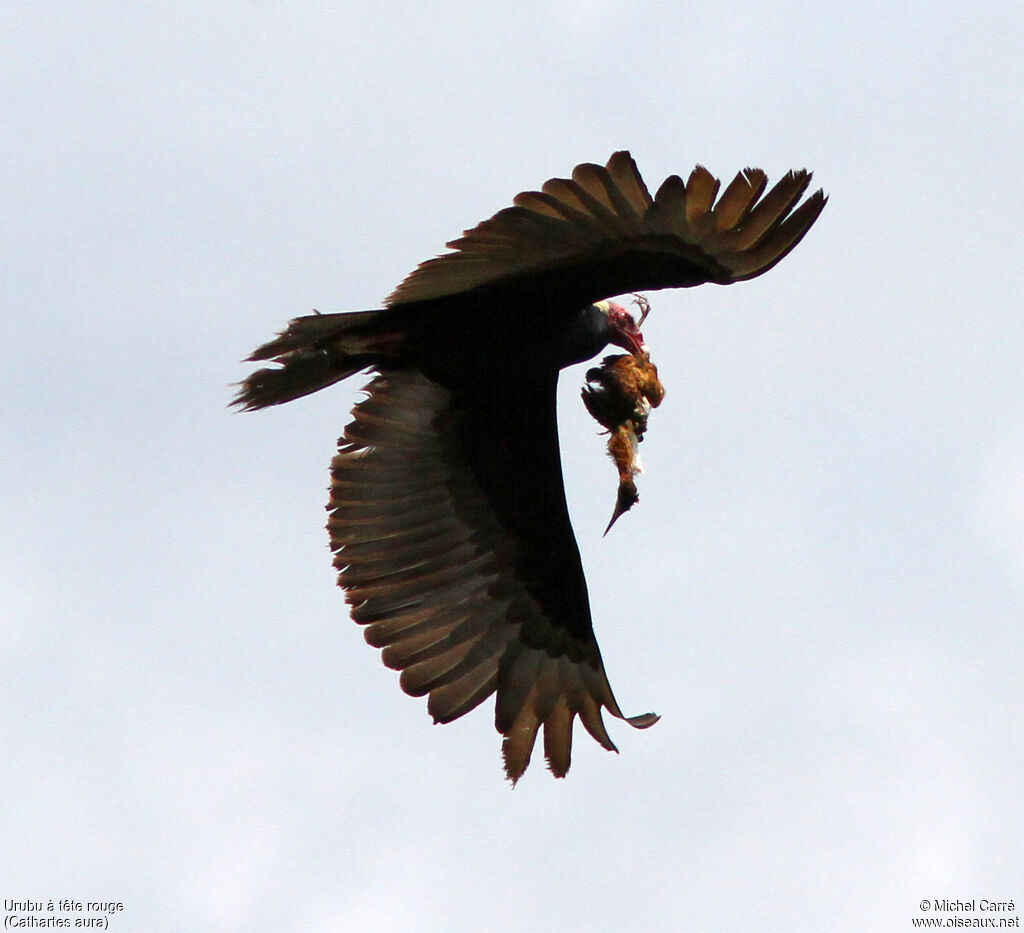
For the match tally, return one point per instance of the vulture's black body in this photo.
(447, 514)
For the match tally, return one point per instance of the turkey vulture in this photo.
(448, 517)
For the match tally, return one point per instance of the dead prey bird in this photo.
(620, 395)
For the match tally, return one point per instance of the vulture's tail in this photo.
(316, 351)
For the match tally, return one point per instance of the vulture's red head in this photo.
(623, 331)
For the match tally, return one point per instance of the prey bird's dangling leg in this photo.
(645, 308)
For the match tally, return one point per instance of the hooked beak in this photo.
(624, 331)
(631, 341)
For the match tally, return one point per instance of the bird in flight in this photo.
(447, 513)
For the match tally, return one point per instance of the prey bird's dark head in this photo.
(623, 331)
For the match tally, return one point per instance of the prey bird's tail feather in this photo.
(316, 351)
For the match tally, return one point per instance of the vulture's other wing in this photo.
(453, 544)
(601, 233)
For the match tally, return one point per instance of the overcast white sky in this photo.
(821, 590)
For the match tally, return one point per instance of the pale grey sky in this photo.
(821, 589)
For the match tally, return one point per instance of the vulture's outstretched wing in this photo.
(601, 233)
(452, 540)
